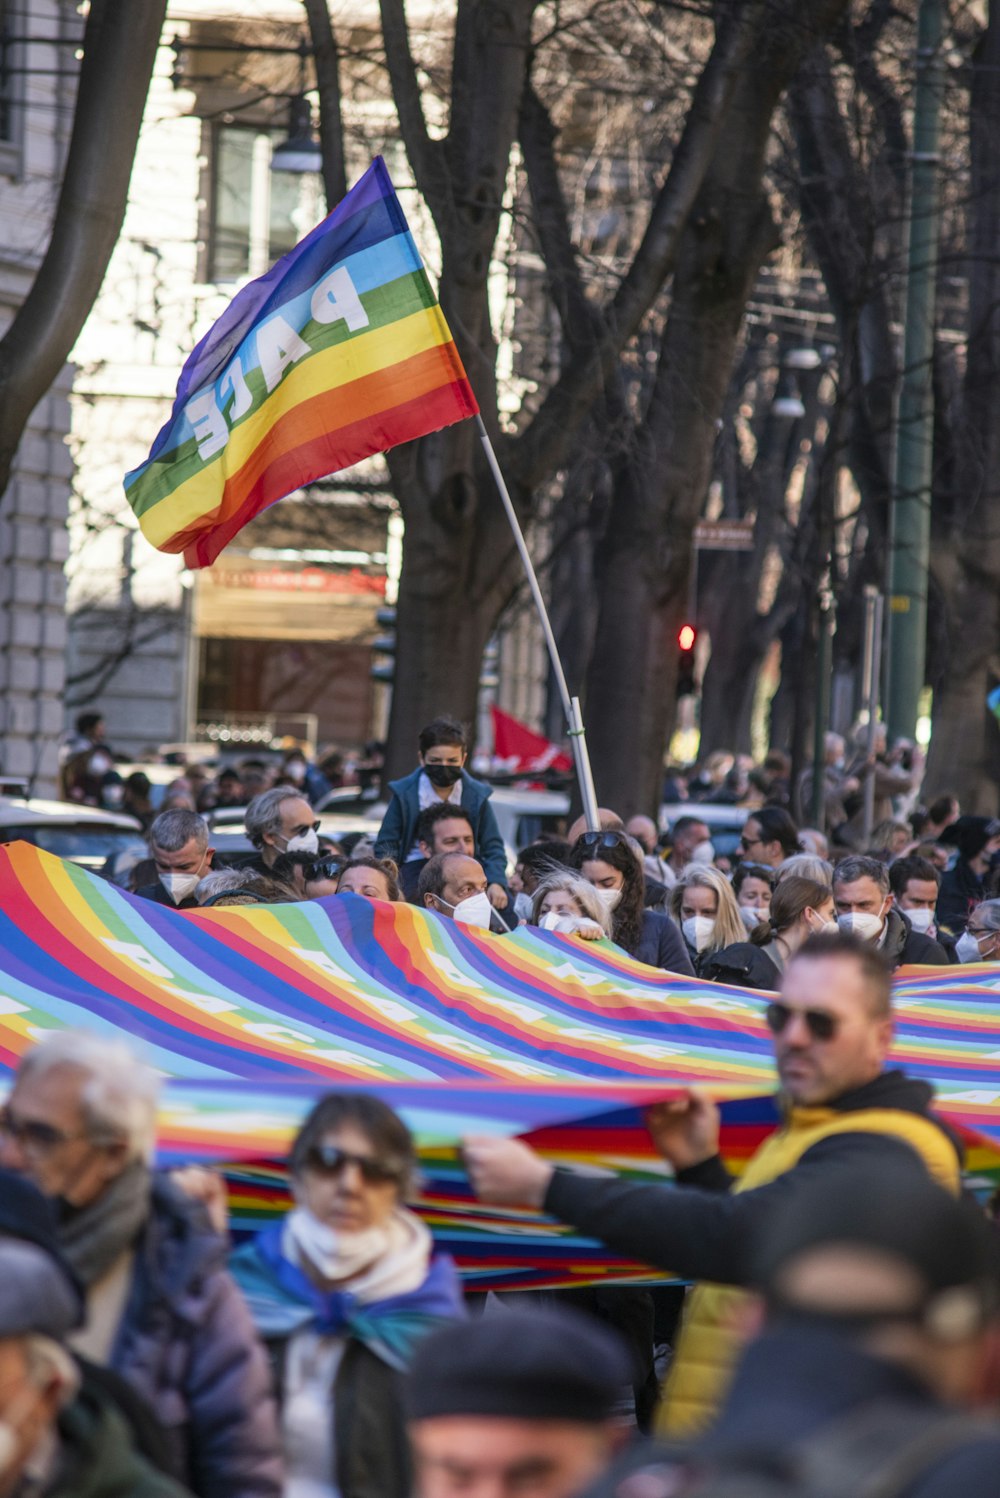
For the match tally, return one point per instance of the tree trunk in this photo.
(647, 554)
(119, 49)
(456, 542)
(965, 746)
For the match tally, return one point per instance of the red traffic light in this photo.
(686, 636)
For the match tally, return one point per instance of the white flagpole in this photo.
(571, 705)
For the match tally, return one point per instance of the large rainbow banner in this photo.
(252, 1012)
(338, 352)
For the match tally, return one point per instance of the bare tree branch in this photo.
(119, 50)
(326, 58)
(426, 156)
(543, 445)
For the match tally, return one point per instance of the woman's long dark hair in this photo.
(626, 919)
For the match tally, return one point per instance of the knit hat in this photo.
(546, 1364)
(944, 1242)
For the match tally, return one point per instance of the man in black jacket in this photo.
(178, 841)
(832, 1029)
(865, 904)
(881, 1299)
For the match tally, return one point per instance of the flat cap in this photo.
(546, 1364)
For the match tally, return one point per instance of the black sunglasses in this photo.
(601, 839)
(325, 868)
(819, 1022)
(330, 1160)
(32, 1134)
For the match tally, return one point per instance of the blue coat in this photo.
(398, 831)
(188, 1347)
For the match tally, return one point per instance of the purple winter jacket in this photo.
(187, 1345)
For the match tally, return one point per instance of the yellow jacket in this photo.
(713, 1332)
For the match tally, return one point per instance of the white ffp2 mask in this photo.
(180, 886)
(698, 931)
(475, 911)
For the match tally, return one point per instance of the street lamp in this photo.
(301, 151)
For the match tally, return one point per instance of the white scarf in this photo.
(372, 1264)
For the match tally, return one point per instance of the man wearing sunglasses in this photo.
(831, 1029)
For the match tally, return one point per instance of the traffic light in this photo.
(384, 644)
(687, 638)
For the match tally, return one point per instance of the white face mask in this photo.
(609, 898)
(180, 886)
(698, 931)
(337, 1256)
(921, 920)
(861, 924)
(703, 852)
(967, 948)
(475, 911)
(523, 906)
(752, 917)
(303, 842)
(555, 920)
(296, 771)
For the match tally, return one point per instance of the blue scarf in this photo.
(284, 1300)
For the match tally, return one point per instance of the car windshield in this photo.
(77, 841)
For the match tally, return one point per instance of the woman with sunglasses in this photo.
(341, 1291)
(799, 908)
(612, 863)
(703, 905)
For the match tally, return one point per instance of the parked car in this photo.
(82, 834)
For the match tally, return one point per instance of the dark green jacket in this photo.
(97, 1458)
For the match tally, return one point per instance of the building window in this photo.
(256, 214)
(11, 71)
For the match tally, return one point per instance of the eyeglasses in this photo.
(34, 1136)
(819, 1022)
(330, 1160)
(601, 839)
(325, 868)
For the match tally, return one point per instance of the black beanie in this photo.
(902, 1213)
(546, 1364)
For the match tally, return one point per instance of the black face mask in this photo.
(443, 775)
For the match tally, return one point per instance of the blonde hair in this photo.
(728, 927)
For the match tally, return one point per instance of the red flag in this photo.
(518, 748)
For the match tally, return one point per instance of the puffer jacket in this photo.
(187, 1345)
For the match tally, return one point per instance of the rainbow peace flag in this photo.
(251, 1013)
(338, 352)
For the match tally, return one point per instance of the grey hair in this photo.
(989, 913)
(120, 1094)
(172, 829)
(580, 890)
(220, 880)
(264, 812)
(806, 866)
(860, 867)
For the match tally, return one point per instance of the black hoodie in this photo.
(706, 1233)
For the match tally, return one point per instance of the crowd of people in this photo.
(826, 1325)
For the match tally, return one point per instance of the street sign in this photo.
(723, 535)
